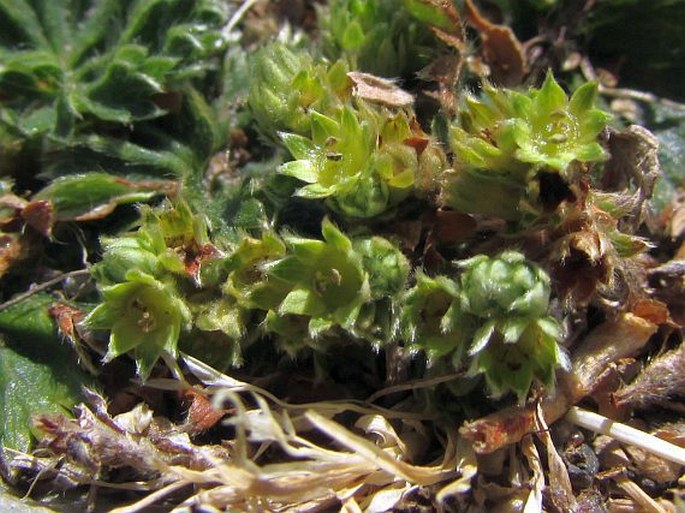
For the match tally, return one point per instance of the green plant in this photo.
(91, 80)
(503, 142)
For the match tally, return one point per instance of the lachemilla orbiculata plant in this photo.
(307, 252)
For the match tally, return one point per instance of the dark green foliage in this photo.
(38, 372)
(89, 77)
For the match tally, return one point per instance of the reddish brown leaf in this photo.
(201, 414)
(502, 51)
(12, 250)
(40, 216)
(195, 256)
(66, 317)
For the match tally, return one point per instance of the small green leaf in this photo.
(299, 147)
(301, 302)
(551, 96)
(583, 98)
(304, 170)
(95, 195)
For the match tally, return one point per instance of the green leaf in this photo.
(86, 75)
(304, 170)
(38, 373)
(551, 96)
(94, 195)
(583, 98)
(301, 302)
(299, 147)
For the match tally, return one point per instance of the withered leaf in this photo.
(502, 51)
(138, 441)
(201, 414)
(13, 248)
(445, 22)
(634, 163)
(40, 215)
(380, 90)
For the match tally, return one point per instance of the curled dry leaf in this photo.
(605, 344)
(634, 163)
(445, 22)
(40, 216)
(559, 483)
(502, 51)
(201, 414)
(379, 90)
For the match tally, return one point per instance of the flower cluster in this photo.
(362, 156)
(496, 314)
(142, 305)
(505, 141)
(376, 36)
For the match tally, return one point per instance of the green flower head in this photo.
(431, 319)
(552, 131)
(361, 160)
(504, 286)
(144, 316)
(376, 36)
(387, 267)
(505, 139)
(286, 85)
(247, 280)
(515, 339)
(328, 283)
(512, 367)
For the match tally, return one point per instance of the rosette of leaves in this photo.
(376, 36)
(361, 160)
(515, 339)
(91, 78)
(505, 141)
(286, 85)
(431, 319)
(327, 285)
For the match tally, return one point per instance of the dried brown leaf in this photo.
(559, 483)
(502, 51)
(137, 441)
(40, 216)
(379, 90)
(13, 249)
(634, 163)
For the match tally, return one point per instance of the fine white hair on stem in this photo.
(238, 15)
(626, 434)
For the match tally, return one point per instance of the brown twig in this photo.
(41, 287)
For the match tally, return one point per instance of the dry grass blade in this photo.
(380, 458)
(626, 434)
